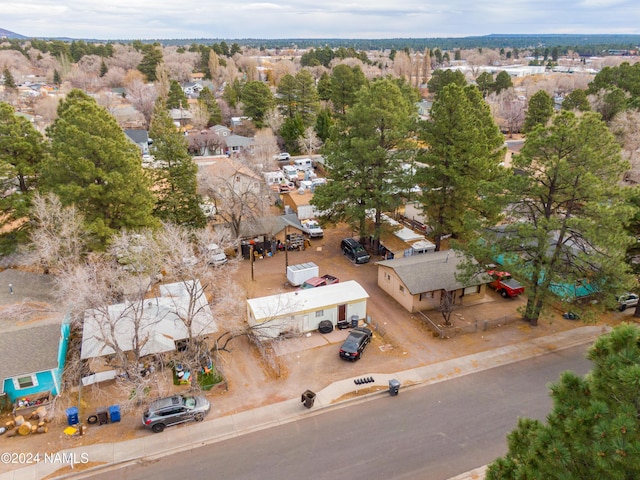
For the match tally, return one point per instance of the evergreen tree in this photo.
(9, 82)
(103, 69)
(307, 101)
(96, 168)
(324, 87)
(464, 176)
(208, 100)
(176, 98)
(290, 131)
(539, 112)
(345, 83)
(57, 80)
(365, 158)
(442, 78)
(178, 201)
(287, 96)
(570, 214)
(150, 61)
(22, 151)
(257, 100)
(503, 81)
(485, 83)
(576, 100)
(324, 122)
(593, 429)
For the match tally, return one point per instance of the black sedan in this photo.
(355, 343)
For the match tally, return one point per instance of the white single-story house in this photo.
(418, 282)
(160, 324)
(302, 310)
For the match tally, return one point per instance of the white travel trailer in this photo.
(303, 310)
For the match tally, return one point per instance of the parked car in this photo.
(283, 156)
(312, 228)
(215, 255)
(354, 251)
(168, 411)
(314, 282)
(505, 284)
(627, 300)
(355, 343)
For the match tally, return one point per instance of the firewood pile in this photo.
(36, 422)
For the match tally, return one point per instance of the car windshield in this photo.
(350, 346)
(189, 402)
(359, 248)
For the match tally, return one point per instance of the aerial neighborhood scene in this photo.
(407, 249)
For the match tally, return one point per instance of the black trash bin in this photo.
(394, 387)
(354, 321)
(103, 416)
(308, 397)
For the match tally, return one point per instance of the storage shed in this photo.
(303, 310)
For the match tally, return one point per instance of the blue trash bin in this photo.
(72, 416)
(114, 413)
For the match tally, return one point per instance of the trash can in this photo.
(72, 416)
(394, 387)
(114, 413)
(354, 321)
(103, 416)
(308, 397)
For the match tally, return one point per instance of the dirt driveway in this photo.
(400, 342)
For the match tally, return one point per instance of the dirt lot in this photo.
(401, 341)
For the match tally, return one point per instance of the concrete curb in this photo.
(116, 455)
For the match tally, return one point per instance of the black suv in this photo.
(354, 251)
(355, 343)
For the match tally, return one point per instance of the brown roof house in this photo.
(419, 282)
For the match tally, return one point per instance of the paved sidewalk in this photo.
(175, 440)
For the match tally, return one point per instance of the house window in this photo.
(425, 295)
(25, 382)
(401, 289)
(387, 277)
(319, 313)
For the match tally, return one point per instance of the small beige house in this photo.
(418, 282)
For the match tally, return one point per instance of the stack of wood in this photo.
(36, 422)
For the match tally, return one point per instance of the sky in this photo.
(237, 19)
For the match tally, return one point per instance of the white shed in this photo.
(303, 310)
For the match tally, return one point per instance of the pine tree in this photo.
(539, 112)
(569, 214)
(175, 178)
(593, 429)
(22, 150)
(96, 168)
(9, 82)
(365, 158)
(257, 100)
(176, 98)
(463, 175)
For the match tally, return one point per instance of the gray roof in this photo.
(238, 141)
(29, 350)
(137, 135)
(270, 225)
(429, 272)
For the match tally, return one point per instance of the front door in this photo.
(342, 313)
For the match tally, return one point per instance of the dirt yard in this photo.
(400, 342)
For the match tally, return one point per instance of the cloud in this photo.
(146, 19)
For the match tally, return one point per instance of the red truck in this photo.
(505, 284)
(319, 281)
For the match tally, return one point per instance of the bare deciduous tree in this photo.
(265, 147)
(59, 236)
(626, 127)
(143, 98)
(309, 143)
(239, 196)
(508, 110)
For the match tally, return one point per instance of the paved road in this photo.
(433, 432)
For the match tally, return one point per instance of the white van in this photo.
(215, 255)
(303, 164)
